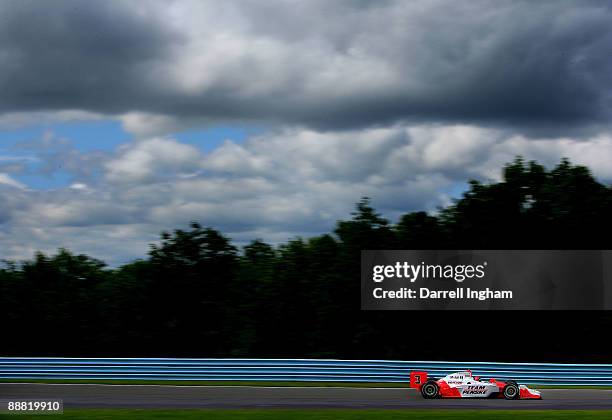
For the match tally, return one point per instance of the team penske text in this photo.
(425, 293)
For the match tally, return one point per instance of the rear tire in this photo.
(430, 390)
(511, 391)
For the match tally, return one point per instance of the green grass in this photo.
(343, 414)
(260, 383)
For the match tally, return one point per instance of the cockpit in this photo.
(460, 376)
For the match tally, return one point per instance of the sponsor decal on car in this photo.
(474, 390)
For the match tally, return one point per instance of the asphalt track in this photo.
(161, 396)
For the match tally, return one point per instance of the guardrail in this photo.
(328, 370)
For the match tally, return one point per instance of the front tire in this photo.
(430, 390)
(511, 390)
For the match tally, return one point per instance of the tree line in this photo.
(198, 295)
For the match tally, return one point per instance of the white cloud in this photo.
(78, 186)
(147, 160)
(146, 125)
(7, 180)
(274, 186)
(593, 152)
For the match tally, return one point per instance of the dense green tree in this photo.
(419, 230)
(197, 295)
(52, 303)
(192, 275)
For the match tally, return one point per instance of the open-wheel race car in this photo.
(464, 385)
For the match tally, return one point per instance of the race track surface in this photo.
(161, 396)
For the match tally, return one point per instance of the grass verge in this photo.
(343, 414)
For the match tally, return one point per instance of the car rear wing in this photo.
(417, 379)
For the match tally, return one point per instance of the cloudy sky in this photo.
(270, 119)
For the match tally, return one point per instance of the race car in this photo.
(464, 385)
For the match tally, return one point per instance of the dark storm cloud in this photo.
(79, 55)
(324, 64)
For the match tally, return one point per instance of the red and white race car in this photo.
(464, 385)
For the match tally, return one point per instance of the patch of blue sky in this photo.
(456, 190)
(42, 181)
(22, 144)
(83, 135)
(207, 139)
(9, 137)
(109, 134)
(92, 135)
(25, 145)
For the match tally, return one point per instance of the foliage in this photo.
(197, 295)
(323, 414)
